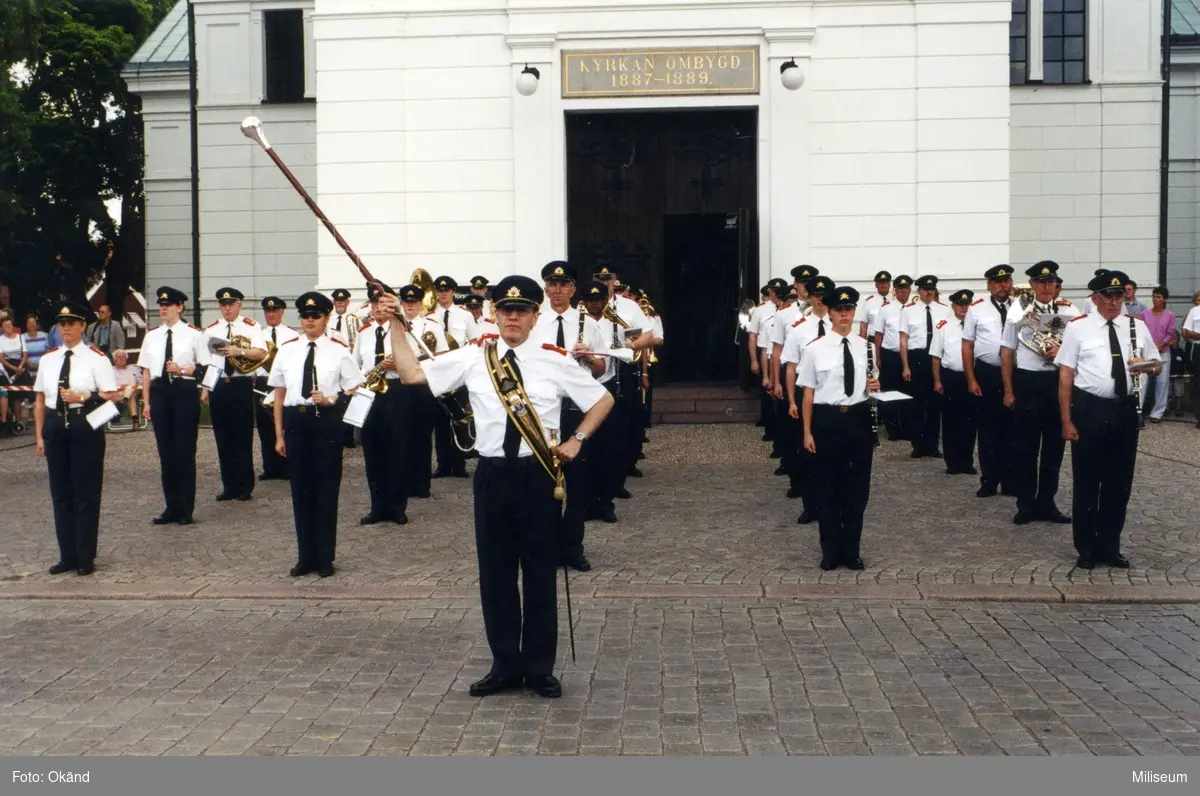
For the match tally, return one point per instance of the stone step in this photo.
(704, 403)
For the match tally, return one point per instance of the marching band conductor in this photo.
(310, 375)
(516, 387)
(72, 381)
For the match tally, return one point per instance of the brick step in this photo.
(719, 392)
(702, 418)
(704, 403)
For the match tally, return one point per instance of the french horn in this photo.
(1041, 332)
(217, 345)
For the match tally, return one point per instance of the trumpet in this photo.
(375, 380)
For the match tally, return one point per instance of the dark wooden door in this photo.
(627, 173)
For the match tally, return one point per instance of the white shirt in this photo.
(1192, 322)
(225, 330)
(336, 371)
(546, 330)
(90, 372)
(822, 370)
(887, 320)
(484, 326)
(802, 332)
(758, 315)
(1087, 349)
(869, 307)
(282, 334)
(1089, 307)
(343, 327)
(947, 344)
(766, 326)
(459, 324)
(364, 349)
(605, 326)
(914, 321)
(12, 348)
(781, 325)
(1026, 359)
(189, 347)
(547, 375)
(984, 328)
(658, 328)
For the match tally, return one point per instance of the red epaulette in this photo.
(339, 342)
(1062, 303)
(976, 301)
(249, 321)
(802, 320)
(553, 347)
(294, 339)
(911, 304)
(197, 328)
(99, 351)
(488, 336)
(49, 350)
(939, 303)
(1077, 318)
(363, 328)
(211, 325)
(941, 323)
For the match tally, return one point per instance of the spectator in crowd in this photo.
(14, 361)
(36, 342)
(129, 386)
(1191, 335)
(106, 334)
(1160, 322)
(1133, 307)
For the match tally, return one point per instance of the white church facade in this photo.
(917, 136)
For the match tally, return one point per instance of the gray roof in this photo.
(1185, 18)
(167, 46)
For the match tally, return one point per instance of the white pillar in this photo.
(539, 209)
(783, 150)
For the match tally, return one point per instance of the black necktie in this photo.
(378, 344)
(821, 328)
(512, 437)
(64, 380)
(228, 361)
(560, 340)
(446, 321)
(274, 339)
(928, 326)
(847, 367)
(307, 386)
(339, 324)
(1002, 307)
(169, 352)
(1118, 362)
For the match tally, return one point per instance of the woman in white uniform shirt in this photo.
(72, 381)
(310, 376)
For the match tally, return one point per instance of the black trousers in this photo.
(579, 491)
(925, 408)
(175, 415)
(635, 428)
(313, 440)
(75, 459)
(273, 465)
(995, 428)
(1037, 441)
(231, 406)
(449, 458)
(791, 447)
(604, 461)
(841, 469)
(1196, 381)
(1102, 461)
(423, 414)
(516, 527)
(958, 421)
(383, 437)
(891, 377)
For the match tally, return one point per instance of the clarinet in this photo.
(616, 343)
(1137, 377)
(870, 395)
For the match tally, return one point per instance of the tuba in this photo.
(423, 280)
(1040, 332)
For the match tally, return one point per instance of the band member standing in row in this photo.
(983, 331)
(958, 405)
(869, 307)
(479, 287)
(231, 401)
(275, 334)
(917, 322)
(170, 355)
(459, 329)
(560, 325)
(425, 412)
(1099, 415)
(311, 377)
(886, 334)
(72, 381)
(344, 324)
(606, 458)
(837, 430)
(385, 431)
(1031, 391)
(799, 461)
(515, 509)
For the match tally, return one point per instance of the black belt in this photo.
(235, 379)
(501, 461)
(1129, 401)
(843, 409)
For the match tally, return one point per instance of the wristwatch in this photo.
(579, 435)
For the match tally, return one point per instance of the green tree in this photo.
(71, 140)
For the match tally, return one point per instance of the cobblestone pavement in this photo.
(708, 520)
(672, 677)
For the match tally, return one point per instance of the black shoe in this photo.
(804, 519)
(781, 470)
(401, 520)
(164, 519)
(371, 519)
(578, 563)
(776, 455)
(609, 516)
(421, 496)
(326, 571)
(828, 565)
(855, 563)
(1086, 561)
(545, 685)
(793, 493)
(1055, 516)
(1008, 491)
(623, 494)
(1117, 561)
(187, 520)
(642, 455)
(1024, 517)
(635, 472)
(970, 471)
(60, 568)
(494, 684)
(986, 491)
(300, 570)
(224, 496)
(916, 455)
(439, 473)
(935, 454)
(87, 569)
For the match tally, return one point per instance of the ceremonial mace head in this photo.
(252, 129)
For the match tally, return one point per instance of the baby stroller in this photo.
(9, 425)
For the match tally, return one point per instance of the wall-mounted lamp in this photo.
(791, 75)
(527, 81)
